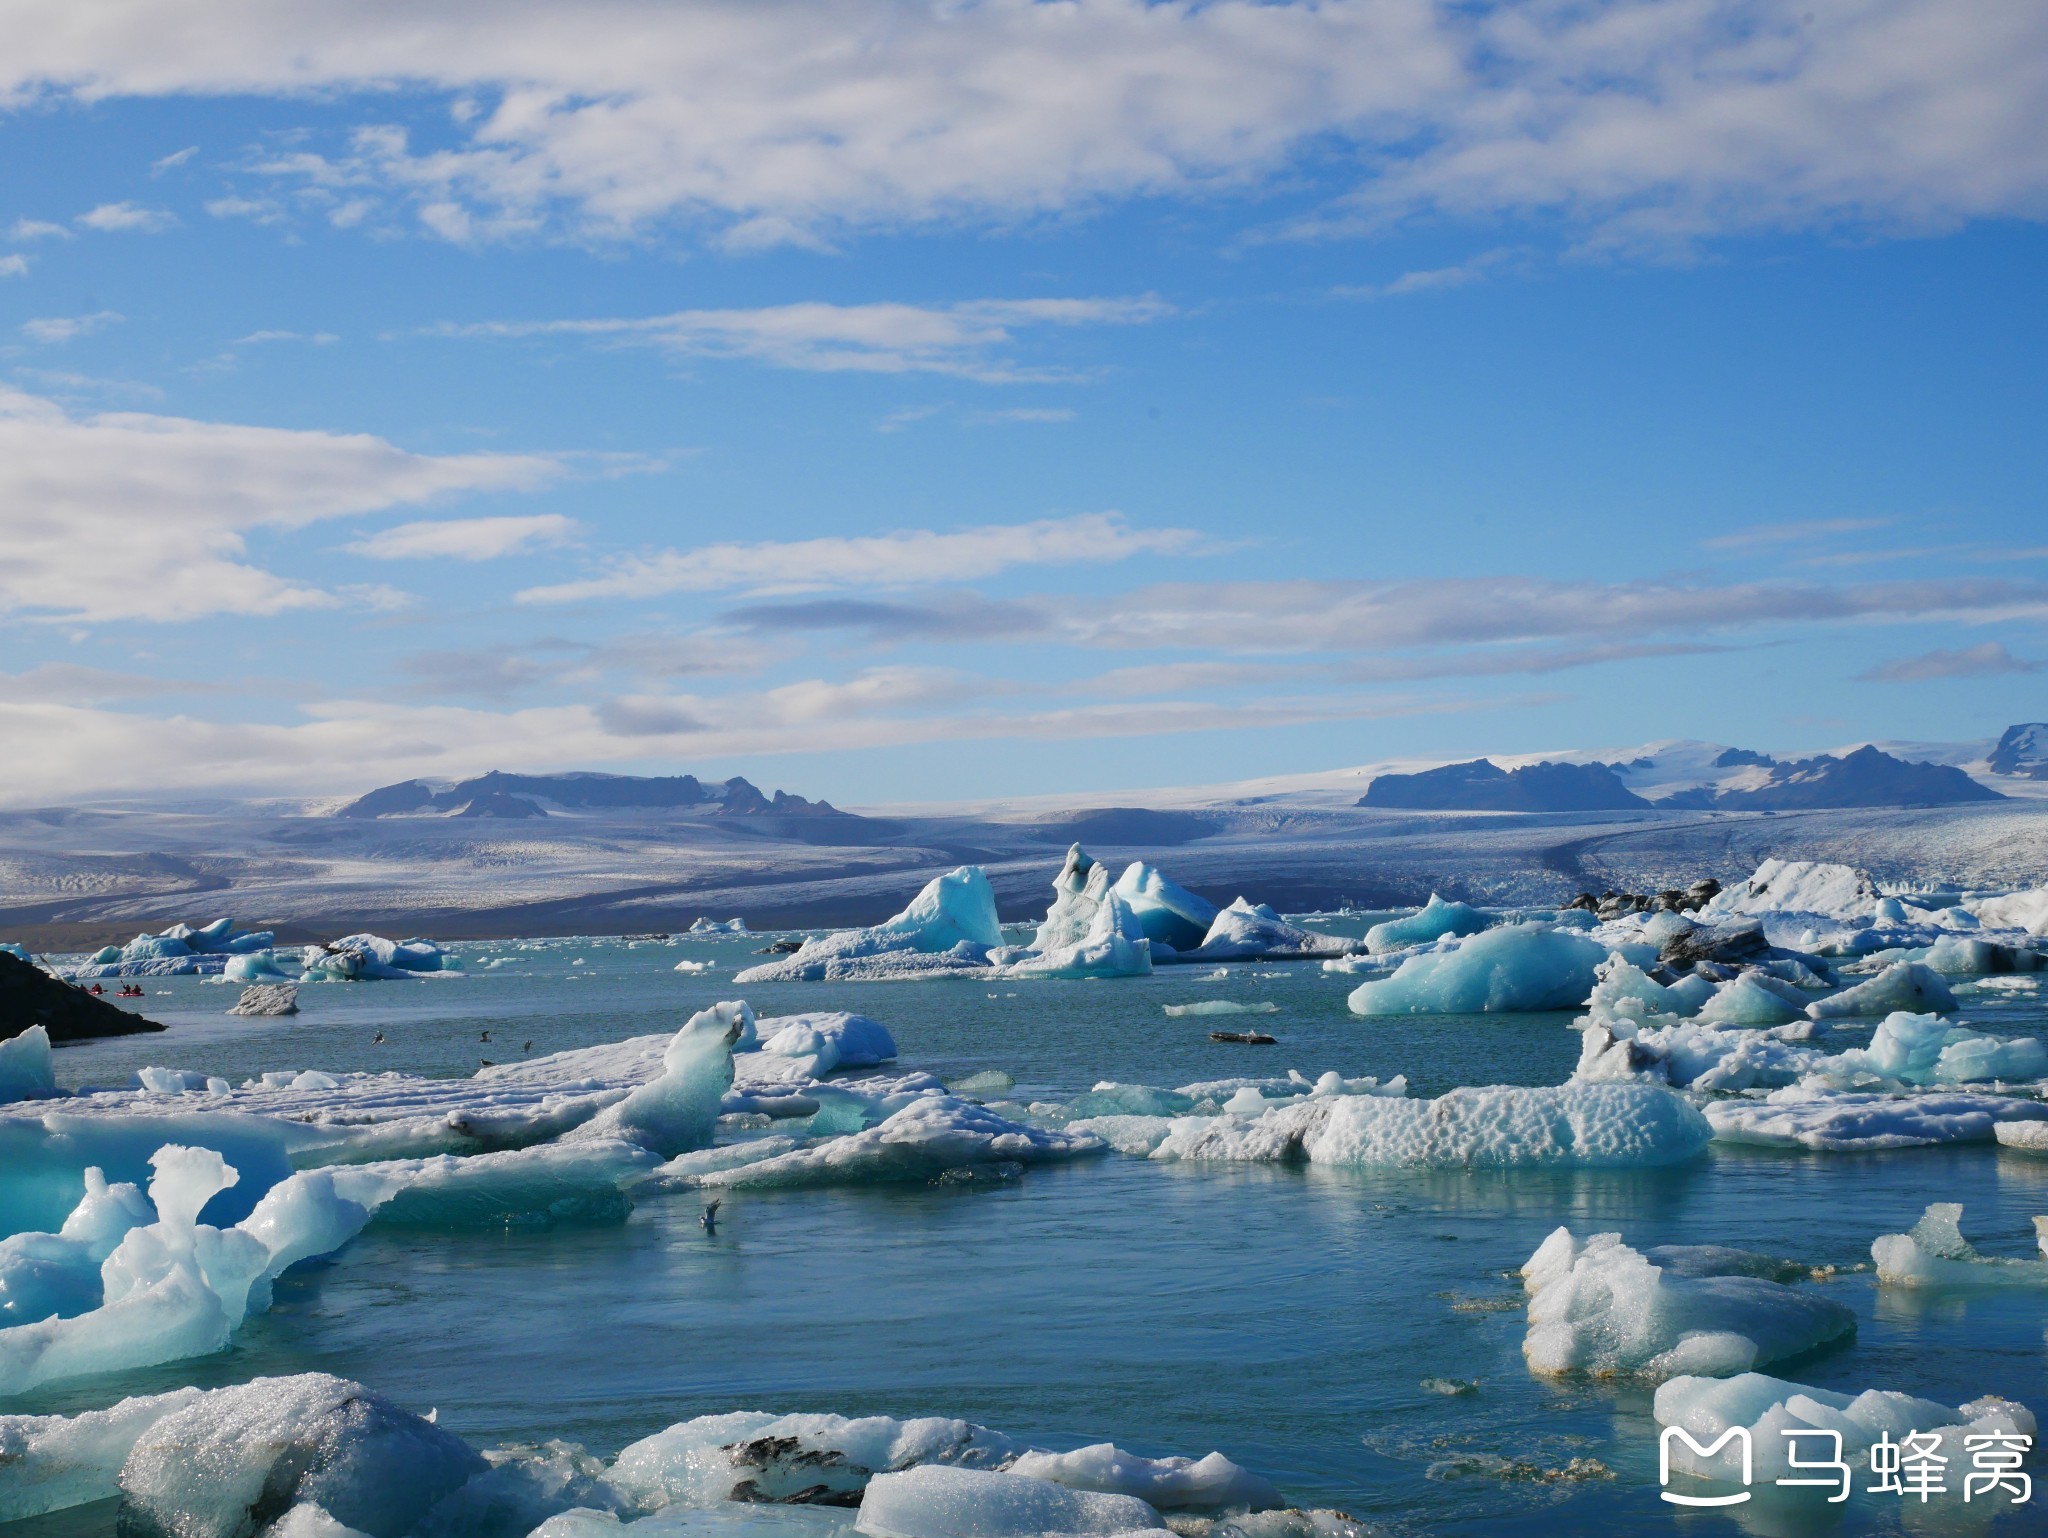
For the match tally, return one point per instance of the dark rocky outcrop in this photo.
(30, 996)
(1731, 945)
(1614, 905)
(1483, 786)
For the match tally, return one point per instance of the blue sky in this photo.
(892, 401)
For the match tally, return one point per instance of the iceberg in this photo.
(933, 1501)
(950, 926)
(1706, 1408)
(1935, 1254)
(1663, 1049)
(1249, 931)
(1904, 985)
(812, 1046)
(207, 1468)
(267, 1000)
(1088, 932)
(26, 1069)
(368, 957)
(1499, 1127)
(1920, 1050)
(258, 967)
(678, 1109)
(1513, 968)
(1838, 892)
(1168, 914)
(1432, 921)
(1598, 1307)
(1753, 998)
(924, 1139)
(1809, 1116)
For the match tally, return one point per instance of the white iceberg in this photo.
(950, 926)
(933, 1501)
(1935, 1254)
(1838, 892)
(26, 1069)
(1249, 931)
(1432, 921)
(1598, 1307)
(1918, 1050)
(1707, 1408)
(1754, 998)
(1088, 932)
(1811, 1116)
(1686, 1054)
(1904, 985)
(1513, 968)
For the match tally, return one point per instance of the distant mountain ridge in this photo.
(2022, 752)
(498, 794)
(1483, 786)
(1866, 777)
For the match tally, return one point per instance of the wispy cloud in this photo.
(63, 328)
(1760, 535)
(14, 265)
(1475, 269)
(915, 557)
(466, 539)
(127, 218)
(37, 229)
(173, 160)
(1968, 662)
(966, 341)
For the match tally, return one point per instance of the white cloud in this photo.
(1764, 534)
(316, 338)
(62, 328)
(912, 557)
(76, 684)
(1638, 120)
(962, 340)
(173, 160)
(37, 229)
(127, 218)
(465, 539)
(141, 517)
(1967, 662)
(259, 210)
(13, 266)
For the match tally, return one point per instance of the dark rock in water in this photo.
(1615, 905)
(1244, 1038)
(780, 948)
(30, 996)
(1730, 946)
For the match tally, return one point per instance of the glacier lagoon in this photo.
(1356, 1336)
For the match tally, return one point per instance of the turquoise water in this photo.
(1285, 1315)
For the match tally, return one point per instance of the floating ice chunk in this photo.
(1925, 1049)
(1515, 967)
(934, 1501)
(1689, 1055)
(1807, 1116)
(1838, 892)
(267, 999)
(1958, 956)
(753, 1456)
(1167, 914)
(1705, 1408)
(45, 1276)
(1753, 998)
(930, 1135)
(711, 926)
(1249, 931)
(26, 1071)
(687, 966)
(812, 1046)
(1504, 1126)
(950, 926)
(203, 1470)
(1089, 931)
(1596, 1306)
(1624, 991)
(1904, 985)
(2024, 1136)
(1212, 1483)
(679, 1109)
(258, 967)
(178, 1081)
(57, 1461)
(1222, 1007)
(1432, 921)
(1935, 1254)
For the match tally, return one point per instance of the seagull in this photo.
(710, 1218)
(527, 1048)
(487, 1062)
(377, 1040)
(485, 1037)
